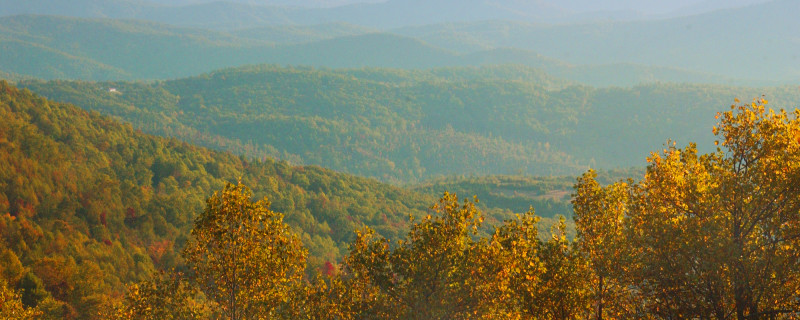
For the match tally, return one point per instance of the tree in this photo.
(165, 296)
(11, 306)
(544, 279)
(340, 296)
(600, 215)
(32, 290)
(434, 273)
(717, 236)
(243, 256)
(565, 284)
(514, 256)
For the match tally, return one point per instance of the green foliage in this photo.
(401, 126)
(502, 196)
(32, 290)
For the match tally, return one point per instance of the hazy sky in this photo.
(647, 6)
(578, 6)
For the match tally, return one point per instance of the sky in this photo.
(647, 6)
(654, 7)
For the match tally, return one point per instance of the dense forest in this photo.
(698, 236)
(408, 126)
(84, 195)
(89, 204)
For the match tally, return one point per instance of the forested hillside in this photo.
(406, 126)
(88, 205)
(399, 159)
(706, 236)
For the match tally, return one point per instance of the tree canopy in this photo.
(243, 256)
(705, 235)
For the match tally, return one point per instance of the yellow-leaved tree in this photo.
(243, 256)
(11, 306)
(717, 236)
(600, 214)
(165, 296)
(436, 272)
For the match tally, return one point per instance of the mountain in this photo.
(51, 47)
(292, 34)
(619, 74)
(233, 14)
(369, 50)
(38, 61)
(280, 3)
(397, 130)
(406, 126)
(715, 43)
(57, 47)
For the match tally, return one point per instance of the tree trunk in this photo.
(600, 299)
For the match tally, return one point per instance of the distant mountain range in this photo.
(51, 47)
(757, 42)
(754, 45)
(234, 14)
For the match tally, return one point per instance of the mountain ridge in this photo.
(155, 51)
(377, 14)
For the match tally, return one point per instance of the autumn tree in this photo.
(544, 279)
(165, 296)
(514, 258)
(600, 214)
(243, 256)
(11, 306)
(340, 296)
(564, 287)
(717, 236)
(429, 275)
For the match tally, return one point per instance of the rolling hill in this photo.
(406, 126)
(59, 47)
(49, 47)
(293, 34)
